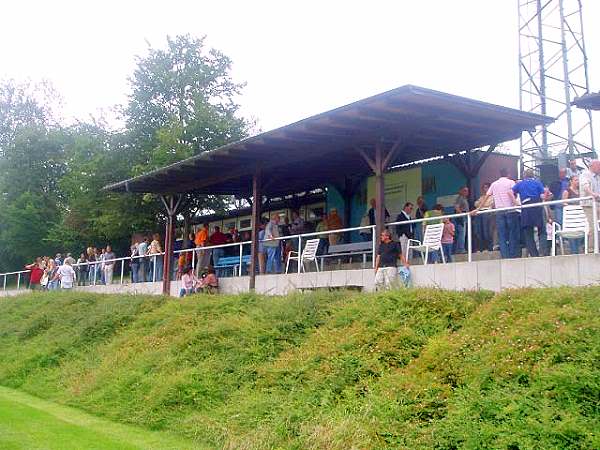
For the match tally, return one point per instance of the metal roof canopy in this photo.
(588, 101)
(420, 123)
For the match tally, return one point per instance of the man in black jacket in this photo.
(405, 231)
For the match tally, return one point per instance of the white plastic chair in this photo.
(575, 226)
(432, 240)
(308, 254)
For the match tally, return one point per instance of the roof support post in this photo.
(256, 212)
(379, 190)
(470, 164)
(171, 204)
(378, 165)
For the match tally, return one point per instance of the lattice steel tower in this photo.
(553, 71)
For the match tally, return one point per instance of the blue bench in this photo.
(232, 262)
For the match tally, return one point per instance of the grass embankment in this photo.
(409, 369)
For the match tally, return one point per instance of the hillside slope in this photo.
(408, 369)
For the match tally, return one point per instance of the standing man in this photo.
(557, 188)
(461, 205)
(405, 231)
(483, 223)
(334, 222)
(218, 238)
(66, 274)
(201, 240)
(272, 246)
(142, 250)
(367, 235)
(297, 225)
(371, 213)
(108, 265)
(386, 263)
(573, 170)
(507, 223)
(530, 191)
(589, 186)
(36, 274)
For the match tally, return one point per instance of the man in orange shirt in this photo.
(201, 240)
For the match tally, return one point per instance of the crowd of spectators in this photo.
(507, 231)
(510, 232)
(95, 265)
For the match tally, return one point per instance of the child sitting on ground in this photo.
(189, 282)
(209, 282)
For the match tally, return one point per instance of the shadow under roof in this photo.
(321, 149)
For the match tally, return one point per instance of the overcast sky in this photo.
(297, 58)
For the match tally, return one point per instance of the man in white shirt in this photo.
(573, 170)
(66, 274)
(589, 186)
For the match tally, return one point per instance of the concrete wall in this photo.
(494, 275)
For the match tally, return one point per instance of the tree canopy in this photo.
(182, 102)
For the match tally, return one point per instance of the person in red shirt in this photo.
(218, 238)
(36, 274)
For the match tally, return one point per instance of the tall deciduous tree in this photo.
(187, 90)
(183, 102)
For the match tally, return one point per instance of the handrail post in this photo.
(374, 243)
(4, 281)
(595, 225)
(299, 251)
(122, 269)
(193, 260)
(154, 269)
(469, 239)
(241, 258)
(18, 280)
(95, 272)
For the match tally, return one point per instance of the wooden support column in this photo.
(171, 203)
(379, 191)
(378, 166)
(256, 212)
(470, 164)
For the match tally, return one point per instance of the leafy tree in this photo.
(183, 103)
(188, 85)
(96, 157)
(24, 105)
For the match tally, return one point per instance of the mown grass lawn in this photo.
(29, 423)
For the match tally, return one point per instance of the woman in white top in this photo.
(156, 259)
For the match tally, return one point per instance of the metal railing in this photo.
(156, 260)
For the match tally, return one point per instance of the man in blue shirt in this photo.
(530, 191)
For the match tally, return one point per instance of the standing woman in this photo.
(155, 251)
(420, 214)
(134, 262)
(91, 258)
(572, 191)
(82, 270)
(52, 273)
